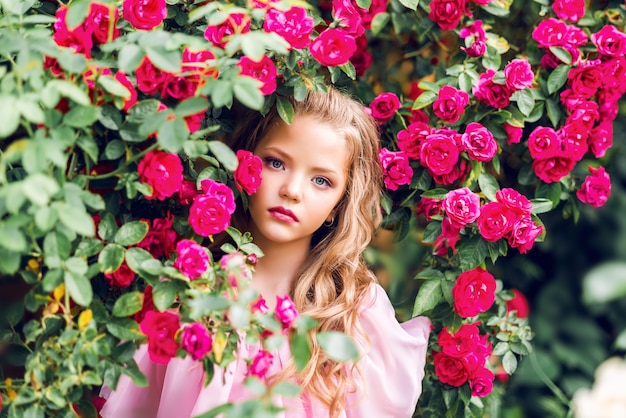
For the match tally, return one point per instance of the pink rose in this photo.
(192, 260)
(524, 233)
(553, 169)
(260, 364)
(286, 311)
(376, 7)
(362, 59)
(519, 304)
(473, 292)
(544, 142)
(411, 138)
(596, 188)
(450, 370)
(396, 168)
(476, 49)
(346, 13)
(495, 221)
(585, 79)
(479, 142)
(614, 74)
(163, 172)
(550, 32)
(146, 306)
(514, 133)
(481, 382)
(161, 329)
(490, 93)
(132, 98)
(429, 207)
(235, 23)
(293, 25)
(188, 191)
(194, 121)
(572, 10)
(462, 206)
(518, 74)
(575, 36)
(99, 21)
(585, 114)
(144, 14)
(384, 106)
(120, 278)
(474, 31)
(450, 104)
(195, 340)
(79, 38)
(260, 306)
(248, 173)
(574, 140)
(221, 191)
(264, 71)
(180, 87)
(601, 139)
(150, 78)
(439, 152)
(333, 47)
(448, 238)
(235, 267)
(514, 200)
(161, 238)
(464, 341)
(208, 215)
(201, 61)
(447, 13)
(571, 100)
(610, 41)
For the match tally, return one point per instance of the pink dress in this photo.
(392, 369)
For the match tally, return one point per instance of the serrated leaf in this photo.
(424, 99)
(558, 78)
(562, 54)
(131, 233)
(285, 109)
(488, 185)
(111, 258)
(128, 304)
(78, 287)
(541, 205)
(428, 296)
(509, 362)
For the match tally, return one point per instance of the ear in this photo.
(331, 215)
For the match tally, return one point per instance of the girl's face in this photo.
(305, 170)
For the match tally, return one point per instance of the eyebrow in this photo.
(286, 156)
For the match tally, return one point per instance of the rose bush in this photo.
(114, 176)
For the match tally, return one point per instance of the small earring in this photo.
(329, 224)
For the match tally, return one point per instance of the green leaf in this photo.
(431, 232)
(131, 233)
(428, 296)
(424, 99)
(472, 253)
(558, 78)
(562, 54)
(88, 247)
(128, 304)
(379, 22)
(551, 191)
(338, 346)
(435, 194)
(163, 294)
(509, 362)
(12, 239)
(129, 58)
(172, 134)
(166, 60)
(78, 287)
(9, 115)
(114, 149)
(135, 257)
(124, 329)
(71, 91)
(301, 350)
(76, 13)
(604, 283)
(525, 101)
(81, 116)
(191, 106)
(541, 205)
(285, 109)
(488, 185)
(107, 226)
(224, 154)
(111, 258)
(364, 4)
(76, 218)
(9, 261)
(113, 86)
(247, 91)
(554, 112)
(410, 4)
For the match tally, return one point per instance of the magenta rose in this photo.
(553, 169)
(596, 188)
(146, 306)
(490, 93)
(161, 238)
(362, 59)
(544, 142)
(601, 139)
(163, 172)
(286, 311)
(220, 191)
(450, 104)
(550, 32)
(574, 140)
(572, 10)
(518, 74)
(514, 200)
(120, 278)
(585, 114)
(462, 206)
(376, 7)
(264, 71)
(464, 341)
(188, 191)
(458, 173)
(610, 41)
(411, 138)
(571, 100)
(514, 133)
(481, 382)
(192, 260)
(429, 207)
(524, 234)
(208, 215)
(345, 12)
(79, 38)
(235, 23)
(384, 106)
(439, 152)
(585, 79)
(260, 306)
(396, 168)
(161, 328)
(495, 221)
(150, 78)
(333, 47)
(450, 370)
(261, 364)
(293, 25)
(448, 238)
(248, 173)
(99, 21)
(447, 13)
(130, 100)
(196, 340)
(479, 142)
(144, 14)
(473, 292)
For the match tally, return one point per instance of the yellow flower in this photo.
(84, 319)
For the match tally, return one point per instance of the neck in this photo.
(276, 271)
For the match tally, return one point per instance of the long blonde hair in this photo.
(334, 279)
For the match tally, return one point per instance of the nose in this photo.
(292, 188)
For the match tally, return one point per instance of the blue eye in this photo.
(274, 163)
(321, 181)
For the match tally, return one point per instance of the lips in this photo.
(283, 214)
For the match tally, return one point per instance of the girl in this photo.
(313, 215)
